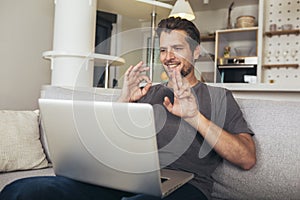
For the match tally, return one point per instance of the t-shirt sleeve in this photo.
(235, 122)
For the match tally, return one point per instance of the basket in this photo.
(245, 21)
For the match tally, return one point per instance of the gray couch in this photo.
(276, 175)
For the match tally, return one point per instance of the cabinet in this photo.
(236, 57)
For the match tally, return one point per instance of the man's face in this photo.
(175, 52)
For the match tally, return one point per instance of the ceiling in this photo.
(142, 11)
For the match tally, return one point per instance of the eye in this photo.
(178, 48)
(162, 50)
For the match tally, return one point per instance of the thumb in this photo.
(167, 103)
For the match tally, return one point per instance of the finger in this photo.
(167, 103)
(129, 70)
(177, 83)
(185, 83)
(175, 86)
(146, 88)
(184, 91)
(137, 70)
(137, 67)
(178, 79)
(143, 77)
(143, 68)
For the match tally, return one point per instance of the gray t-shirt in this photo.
(181, 147)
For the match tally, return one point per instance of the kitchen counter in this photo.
(258, 87)
(262, 91)
(239, 90)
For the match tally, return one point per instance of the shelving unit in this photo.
(233, 67)
(235, 38)
(281, 48)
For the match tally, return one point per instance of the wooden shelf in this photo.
(205, 59)
(207, 38)
(245, 29)
(285, 32)
(281, 66)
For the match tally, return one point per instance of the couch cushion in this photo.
(8, 177)
(20, 146)
(277, 137)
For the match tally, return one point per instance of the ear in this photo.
(197, 52)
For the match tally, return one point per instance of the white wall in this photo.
(26, 32)
(131, 41)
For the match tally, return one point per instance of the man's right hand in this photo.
(131, 90)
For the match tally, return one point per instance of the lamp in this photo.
(182, 9)
(205, 1)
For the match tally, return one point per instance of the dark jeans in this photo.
(61, 188)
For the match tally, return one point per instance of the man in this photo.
(202, 125)
(195, 103)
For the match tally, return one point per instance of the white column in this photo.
(73, 41)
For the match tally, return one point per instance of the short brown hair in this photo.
(172, 23)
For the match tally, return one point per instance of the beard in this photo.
(185, 72)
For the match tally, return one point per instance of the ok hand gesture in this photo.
(131, 90)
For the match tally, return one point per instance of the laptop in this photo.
(110, 144)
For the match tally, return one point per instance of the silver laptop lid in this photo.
(104, 143)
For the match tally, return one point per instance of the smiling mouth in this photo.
(174, 65)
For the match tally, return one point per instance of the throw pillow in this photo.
(20, 145)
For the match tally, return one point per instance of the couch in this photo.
(276, 175)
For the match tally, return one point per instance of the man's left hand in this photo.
(185, 104)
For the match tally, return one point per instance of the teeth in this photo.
(172, 66)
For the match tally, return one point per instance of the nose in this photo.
(170, 55)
